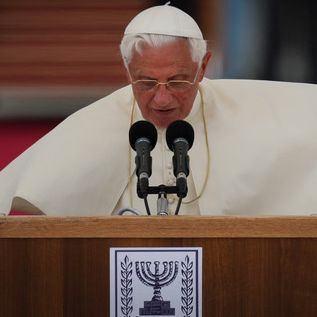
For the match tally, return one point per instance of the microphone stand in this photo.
(162, 202)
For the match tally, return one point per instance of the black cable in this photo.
(178, 205)
(147, 206)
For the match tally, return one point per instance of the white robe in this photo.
(262, 139)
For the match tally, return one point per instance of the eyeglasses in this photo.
(148, 85)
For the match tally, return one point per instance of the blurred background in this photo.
(59, 56)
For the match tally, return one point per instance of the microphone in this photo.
(143, 137)
(180, 138)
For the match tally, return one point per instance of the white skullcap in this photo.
(166, 20)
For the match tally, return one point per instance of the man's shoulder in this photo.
(245, 84)
(121, 99)
(103, 117)
(242, 92)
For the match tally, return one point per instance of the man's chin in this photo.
(162, 123)
(163, 120)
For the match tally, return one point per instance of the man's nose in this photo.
(162, 95)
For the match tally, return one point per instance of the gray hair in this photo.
(131, 42)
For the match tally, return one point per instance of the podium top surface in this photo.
(157, 227)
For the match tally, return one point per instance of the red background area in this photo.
(17, 135)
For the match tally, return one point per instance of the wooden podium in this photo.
(264, 266)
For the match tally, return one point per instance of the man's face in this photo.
(169, 62)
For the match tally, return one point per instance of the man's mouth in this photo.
(164, 111)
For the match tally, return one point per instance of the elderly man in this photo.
(255, 143)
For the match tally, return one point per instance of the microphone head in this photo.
(179, 129)
(142, 129)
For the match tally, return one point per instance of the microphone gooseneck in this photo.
(180, 138)
(143, 137)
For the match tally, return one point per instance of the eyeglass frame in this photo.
(133, 82)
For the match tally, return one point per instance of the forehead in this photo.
(174, 57)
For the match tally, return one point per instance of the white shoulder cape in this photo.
(262, 138)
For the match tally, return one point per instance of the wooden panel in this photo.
(24, 37)
(157, 227)
(241, 276)
(31, 278)
(100, 75)
(72, 43)
(66, 54)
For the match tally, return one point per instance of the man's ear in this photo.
(204, 65)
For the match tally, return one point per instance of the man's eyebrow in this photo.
(141, 76)
(146, 77)
(182, 75)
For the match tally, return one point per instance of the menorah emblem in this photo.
(157, 280)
